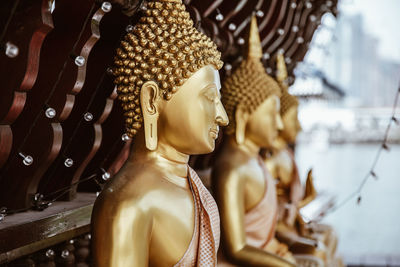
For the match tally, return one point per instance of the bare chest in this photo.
(285, 168)
(173, 229)
(255, 186)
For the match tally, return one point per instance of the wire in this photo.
(371, 172)
(42, 204)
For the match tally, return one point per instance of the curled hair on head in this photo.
(287, 101)
(163, 47)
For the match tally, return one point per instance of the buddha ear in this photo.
(149, 95)
(241, 118)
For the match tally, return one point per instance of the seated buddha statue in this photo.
(281, 163)
(244, 190)
(155, 211)
(291, 194)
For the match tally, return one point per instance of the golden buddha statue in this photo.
(291, 194)
(155, 211)
(244, 190)
(281, 164)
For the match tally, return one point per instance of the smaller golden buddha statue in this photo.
(281, 164)
(244, 190)
(291, 194)
(155, 211)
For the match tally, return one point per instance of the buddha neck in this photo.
(167, 158)
(248, 146)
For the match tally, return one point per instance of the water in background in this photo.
(368, 232)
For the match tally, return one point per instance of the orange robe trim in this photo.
(204, 245)
(260, 221)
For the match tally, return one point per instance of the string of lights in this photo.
(371, 171)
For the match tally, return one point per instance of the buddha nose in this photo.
(221, 116)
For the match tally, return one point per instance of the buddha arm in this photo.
(296, 243)
(230, 197)
(122, 236)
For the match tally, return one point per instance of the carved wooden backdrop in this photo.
(59, 121)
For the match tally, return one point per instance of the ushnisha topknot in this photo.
(249, 85)
(163, 47)
(287, 100)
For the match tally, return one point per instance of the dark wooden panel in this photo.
(294, 30)
(36, 134)
(7, 10)
(83, 137)
(26, 30)
(27, 232)
(286, 26)
(111, 147)
(26, 24)
(5, 143)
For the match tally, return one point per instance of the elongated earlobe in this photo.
(241, 118)
(150, 133)
(148, 98)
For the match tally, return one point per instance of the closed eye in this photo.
(210, 92)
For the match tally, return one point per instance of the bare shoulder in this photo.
(121, 220)
(128, 190)
(234, 165)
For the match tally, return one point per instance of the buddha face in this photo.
(190, 120)
(263, 124)
(291, 125)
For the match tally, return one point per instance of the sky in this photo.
(381, 20)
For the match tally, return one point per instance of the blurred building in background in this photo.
(355, 65)
(345, 72)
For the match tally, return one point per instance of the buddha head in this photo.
(289, 105)
(251, 97)
(167, 80)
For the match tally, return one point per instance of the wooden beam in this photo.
(27, 232)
